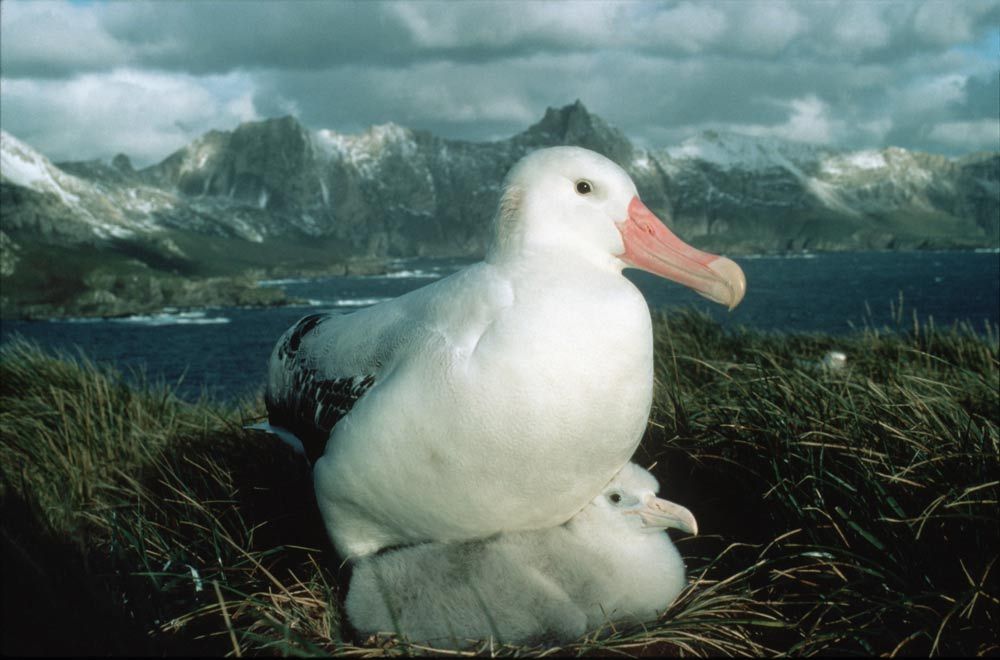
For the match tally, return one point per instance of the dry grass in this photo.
(847, 512)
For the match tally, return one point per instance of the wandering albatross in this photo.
(506, 395)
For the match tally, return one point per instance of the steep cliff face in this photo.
(574, 125)
(42, 198)
(977, 192)
(270, 165)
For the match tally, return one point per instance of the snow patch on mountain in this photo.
(868, 159)
(830, 196)
(364, 151)
(733, 150)
(23, 166)
(108, 209)
(642, 161)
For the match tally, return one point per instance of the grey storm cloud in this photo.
(982, 98)
(86, 79)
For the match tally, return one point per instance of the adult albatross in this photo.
(505, 396)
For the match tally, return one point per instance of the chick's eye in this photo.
(584, 187)
(615, 498)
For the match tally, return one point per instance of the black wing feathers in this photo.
(310, 405)
(290, 347)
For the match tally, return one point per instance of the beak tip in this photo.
(663, 514)
(732, 276)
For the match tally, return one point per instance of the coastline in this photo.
(116, 296)
(112, 296)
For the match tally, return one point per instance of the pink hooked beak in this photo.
(649, 245)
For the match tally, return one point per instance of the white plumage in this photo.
(611, 562)
(505, 396)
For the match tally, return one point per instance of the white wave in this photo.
(797, 255)
(987, 250)
(280, 282)
(181, 318)
(312, 302)
(411, 274)
(358, 302)
(78, 319)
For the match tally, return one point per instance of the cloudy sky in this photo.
(90, 79)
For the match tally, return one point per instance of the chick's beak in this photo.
(661, 514)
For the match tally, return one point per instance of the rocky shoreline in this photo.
(108, 295)
(115, 296)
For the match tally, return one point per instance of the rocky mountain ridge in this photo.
(275, 195)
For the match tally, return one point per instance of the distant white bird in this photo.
(831, 361)
(611, 562)
(506, 395)
(834, 360)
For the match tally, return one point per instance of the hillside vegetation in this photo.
(848, 511)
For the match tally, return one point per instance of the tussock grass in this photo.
(850, 511)
(873, 489)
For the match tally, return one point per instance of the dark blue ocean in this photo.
(223, 352)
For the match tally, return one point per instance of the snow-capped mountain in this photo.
(273, 193)
(771, 193)
(48, 199)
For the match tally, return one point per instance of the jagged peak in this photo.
(122, 163)
(575, 108)
(573, 124)
(564, 121)
(280, 131)
(271, 126)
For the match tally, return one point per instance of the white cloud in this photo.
(945, 22)
(447, 97)
(493, 25)
(862, 27)
(242, 107)
(687, 27)
(874, 131)
(144, 114)
(863, 74)
(978, 135)
(53, 38)
(808, 121)
(931, 94)
(766, 28)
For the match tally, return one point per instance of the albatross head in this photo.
(573, 199)
(629, 504)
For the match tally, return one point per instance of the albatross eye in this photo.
(584, 187)
(615, 498)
